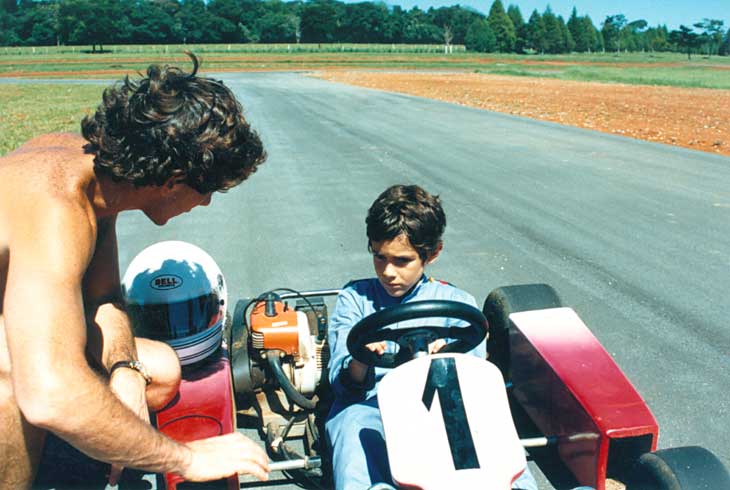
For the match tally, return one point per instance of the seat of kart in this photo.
(448, 424)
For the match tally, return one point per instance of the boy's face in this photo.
(398, 265)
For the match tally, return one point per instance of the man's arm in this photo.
(109, 333)
(53, 384)
(110, 337)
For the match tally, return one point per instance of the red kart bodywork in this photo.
(203, 408)
(572, 389)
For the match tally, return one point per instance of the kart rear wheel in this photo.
(238, 348)
(681, 468)
(497, 308)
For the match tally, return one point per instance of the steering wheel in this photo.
(413, 341)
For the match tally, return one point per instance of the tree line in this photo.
(103, 22)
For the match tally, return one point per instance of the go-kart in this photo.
(451, 419)
(548, 387)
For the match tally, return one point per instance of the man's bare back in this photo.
(60, 295)
(45, 169)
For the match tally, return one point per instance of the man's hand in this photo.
(223, 456)
(129, 386)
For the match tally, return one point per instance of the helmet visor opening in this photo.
(171, 321)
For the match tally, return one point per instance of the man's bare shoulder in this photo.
(42, 192)
(51, 142)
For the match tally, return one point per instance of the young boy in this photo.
(404, 229)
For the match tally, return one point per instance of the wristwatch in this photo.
(135, 365)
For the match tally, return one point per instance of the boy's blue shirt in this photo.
(364, 297)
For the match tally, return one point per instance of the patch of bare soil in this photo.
(689, 117)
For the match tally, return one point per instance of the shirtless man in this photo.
(161, 145)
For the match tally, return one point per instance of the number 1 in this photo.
(442, 377)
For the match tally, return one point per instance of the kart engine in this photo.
(276, 327)
(278, 346)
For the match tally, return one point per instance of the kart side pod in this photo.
(202, 408)
(572, 389)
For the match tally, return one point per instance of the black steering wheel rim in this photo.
(372, 328)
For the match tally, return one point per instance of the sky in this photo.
(655, 12)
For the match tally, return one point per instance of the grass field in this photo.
(672, 69)
(31, 110)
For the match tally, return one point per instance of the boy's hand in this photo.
(357, 369)
(436, 346)
(377, 347)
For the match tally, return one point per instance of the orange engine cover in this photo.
(275, 332)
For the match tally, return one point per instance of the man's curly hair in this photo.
(176, 125)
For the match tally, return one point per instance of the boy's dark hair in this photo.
(408, 210)
(173, 124)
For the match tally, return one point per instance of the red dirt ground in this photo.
(689, 117)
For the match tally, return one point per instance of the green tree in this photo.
(480, 37)
(554, 38)
(9, 6)
(596, 36)
(456, 18)
(419, 29)
(94, 22)
(502, 27)
(278, 27)
(513, 11)
(8, 36)
(657, 38)
(235, 20)
(568, 42)
(231, 10)
(579, 33)
(153, 23)
(535, 33)
(725, 46)
(611, 31)
(395, 25)
(36, 24)
(363, 22)
(632, 36)
(712, 30)
(250, 13)
(194, 21)
(685, 38)
(319, 22)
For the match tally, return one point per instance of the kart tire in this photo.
(681, 468)
(238, 347)
(497, 308)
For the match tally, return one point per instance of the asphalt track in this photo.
(635, 236)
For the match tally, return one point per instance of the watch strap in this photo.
(134, 365)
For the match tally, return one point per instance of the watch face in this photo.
(142, 370)
(136, 366)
